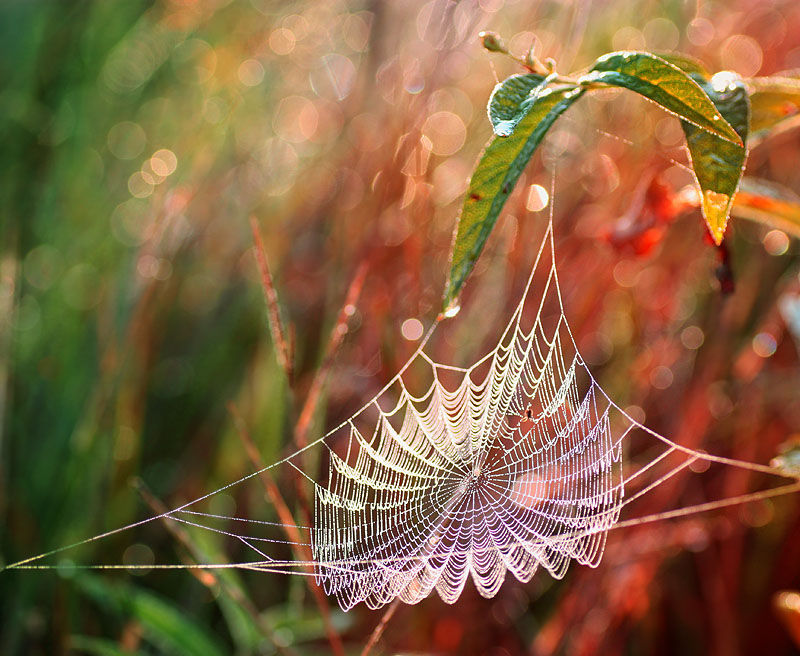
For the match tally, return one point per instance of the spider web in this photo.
(509, 465)
(514, 467)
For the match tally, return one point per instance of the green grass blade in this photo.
(163, 624)
(79, 644)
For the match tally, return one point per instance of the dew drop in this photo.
(452, 311)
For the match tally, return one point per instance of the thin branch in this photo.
(283, 347)
(381, 627)
(302, 552)
(303, 423)
(337, 335)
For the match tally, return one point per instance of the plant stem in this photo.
(210, 578)
(381, 627)
(289, 527)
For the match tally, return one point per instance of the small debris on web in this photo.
(788, 459)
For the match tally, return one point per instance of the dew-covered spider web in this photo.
(517, 466)
(517, 463)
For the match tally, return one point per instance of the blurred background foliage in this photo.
(138, 140)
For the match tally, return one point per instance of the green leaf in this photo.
(718, 163)
(510, 101)
(663, 83)
(494, 178)
(775, 102)
(768, 203)
(163, 624)
(686, 63)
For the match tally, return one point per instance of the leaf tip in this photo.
(716, 208)
(451, 307)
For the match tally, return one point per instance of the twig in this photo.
(724, 271)
(381, 627)
(210, 578)
(288, 523)
(337, 334)
(283, 346)
(270, 487)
